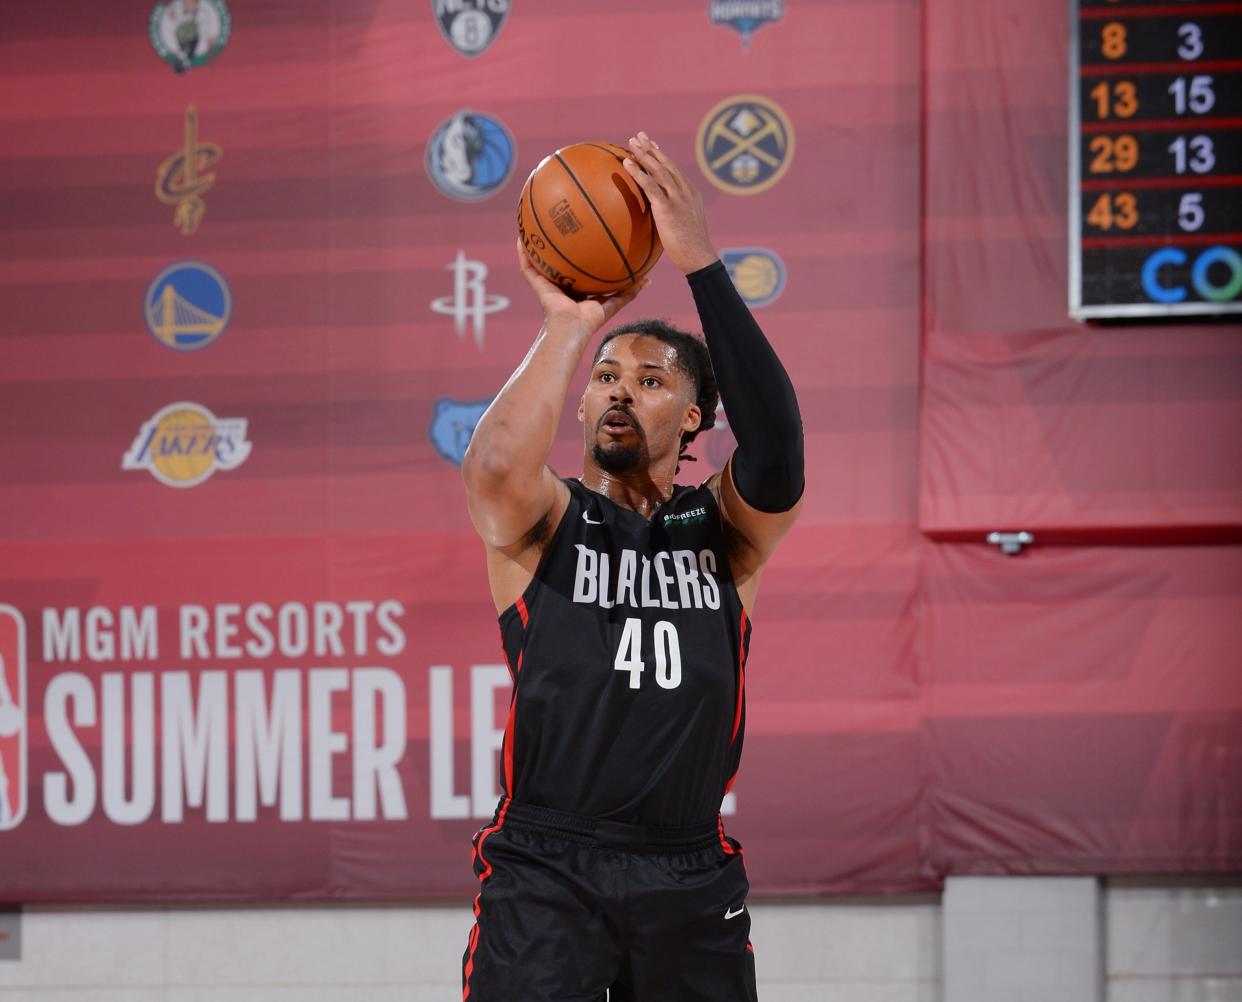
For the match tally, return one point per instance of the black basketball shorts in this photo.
(571, 909)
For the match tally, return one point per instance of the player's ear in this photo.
(694, 417)
(582, 408)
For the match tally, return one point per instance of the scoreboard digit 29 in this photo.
(1155, 158)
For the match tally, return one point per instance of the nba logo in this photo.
(12, 718)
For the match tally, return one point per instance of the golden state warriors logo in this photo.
(757, 272)
(745, 144)
(184, 444)
(187, 305)
(189, 33)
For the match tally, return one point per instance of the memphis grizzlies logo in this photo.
(746, 16)
(757, 272)
(745, 144)
(470, 26)
(470, 156)
(453, 424)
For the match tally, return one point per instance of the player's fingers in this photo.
(536, 281)
(647, 156)
(645, 181)
(614, 304)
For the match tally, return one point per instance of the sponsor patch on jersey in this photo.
(184, 444)
(185, 177)
(453, 423)
(187, 306)
(745, 144)
(14, 719)
(745, 16)
(189, 33)
(470, 26)
(470, 156)
(757, 273)
(683, 518)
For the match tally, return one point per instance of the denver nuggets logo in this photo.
(470, 156)
(184, 444)
(470, 26)
(189, 33)
(745, 144)
(187, 305)
(758, 274)
(452, 425)
(14, 745)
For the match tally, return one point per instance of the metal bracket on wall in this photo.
(1011, 543)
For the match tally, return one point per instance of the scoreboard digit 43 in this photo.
(1156, 158)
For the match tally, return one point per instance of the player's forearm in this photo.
(758, 395)
(515, 434)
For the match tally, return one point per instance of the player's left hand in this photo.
(675, 203)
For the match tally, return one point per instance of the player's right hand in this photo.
(588, 315)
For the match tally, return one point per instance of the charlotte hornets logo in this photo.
(453, 424)
(758, 273)
(470, 26)
(746, 16)
(745, 144)
(470, 156)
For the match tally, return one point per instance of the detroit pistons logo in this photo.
(13, 718)
(470, 26)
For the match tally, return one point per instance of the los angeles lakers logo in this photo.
(14, 743)
(188, 305)
(470, 156)
(183, 178)
(745, 144)
(757, 272)
(189, 33)
(184, 444)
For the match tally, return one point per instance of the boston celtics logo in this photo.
(189, 33)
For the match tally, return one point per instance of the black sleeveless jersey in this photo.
(628, 654)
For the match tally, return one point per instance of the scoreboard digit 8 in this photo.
(1155, 158)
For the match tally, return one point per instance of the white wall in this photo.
(1161, 944)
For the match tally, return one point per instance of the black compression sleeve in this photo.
(758, 396)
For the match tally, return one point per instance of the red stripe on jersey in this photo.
(523, 612)
(487, 872)
(509, 738)
(724, 842)
(741, 677)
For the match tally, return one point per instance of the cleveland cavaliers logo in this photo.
(183, 178)
(13, 717)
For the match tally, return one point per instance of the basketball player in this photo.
(624, 605)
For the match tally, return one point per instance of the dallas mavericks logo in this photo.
(746, 16)
(470, 26)
(187, 306)
(452, 425)
(745, 144)
(470, 299)
(470, 156)
(758, 274)
(189, 33)
(14, 746)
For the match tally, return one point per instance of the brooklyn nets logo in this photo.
(745, 144)
(189, 33)
(188, 306)
(470, 156)
(470, 26)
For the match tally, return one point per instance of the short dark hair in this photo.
(692, 359)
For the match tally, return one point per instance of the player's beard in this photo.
(618, 458)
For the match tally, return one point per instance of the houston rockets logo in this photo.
(13, 717)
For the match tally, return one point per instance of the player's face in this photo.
(637, 404)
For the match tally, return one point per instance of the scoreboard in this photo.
(1155, 158)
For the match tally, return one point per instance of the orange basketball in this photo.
(585, 223)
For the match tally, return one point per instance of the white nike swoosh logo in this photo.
(734, 914)
(590, 521)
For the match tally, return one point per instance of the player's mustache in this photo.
(624, 412)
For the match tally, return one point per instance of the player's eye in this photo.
(651, 381)
(607, 377)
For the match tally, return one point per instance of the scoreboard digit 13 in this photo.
(1155, 158)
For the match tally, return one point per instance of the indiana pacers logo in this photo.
(188, 305)
(745, 144)
(184, 444)
(470, 156)
(758, 273)
(183, 178)
(470, 26)
(189, 33)
(14, 745)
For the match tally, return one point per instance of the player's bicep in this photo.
(761, 530)
(504, 509)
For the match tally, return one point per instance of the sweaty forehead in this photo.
(641, 350)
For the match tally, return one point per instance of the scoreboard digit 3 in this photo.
(1155, 158)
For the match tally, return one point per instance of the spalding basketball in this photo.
(585, 223)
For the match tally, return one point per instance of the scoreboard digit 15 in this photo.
(1155, 158)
